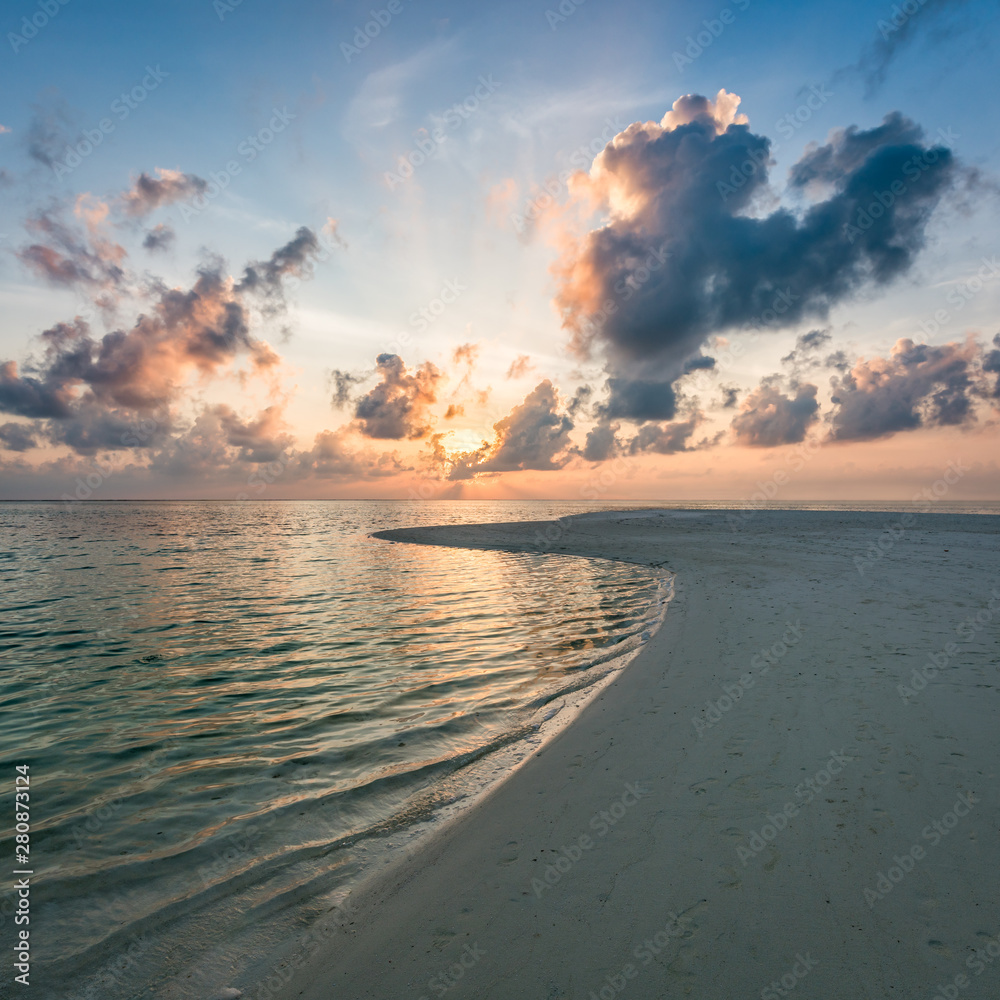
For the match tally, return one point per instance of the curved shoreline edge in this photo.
(638, 851)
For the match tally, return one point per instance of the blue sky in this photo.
(538, 86)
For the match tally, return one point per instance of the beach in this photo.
(792, 788)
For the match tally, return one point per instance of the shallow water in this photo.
(231, 711)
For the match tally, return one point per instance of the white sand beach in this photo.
(767, 801)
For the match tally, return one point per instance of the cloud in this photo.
(730, 396)
(294, 259)
(342, 382)
(396, 408)
(262, 439)
(638, 400)
(65, 256)
(159, 238)
(534, 435)
(770, 418)
(602, 443)
(682, 250)
(916, 386)
(27, 396)
(991, 363)
(4, 130)
(168, 186)
(894, 35)
(520, 367)
(49, 131)
(332, 457)
(17, 437)
(666, 439)
(465, 354)
(807, 343)
(89, 393)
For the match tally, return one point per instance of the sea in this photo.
(233, 714)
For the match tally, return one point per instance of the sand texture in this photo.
(755, 807)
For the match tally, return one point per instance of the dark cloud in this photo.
(342, 382)
(991, 363)
(602, 443)
(17, 437)
(294, 258)
(292, 261)
(838, 360)
(397, 407)
(694, 183)
(27, 396)
(730, 396)
(638, 400)
(149, 193)
(94, 428)
(770, 418)
(665, 439)
(917, 385)
(580, 403)
(534, 435)
(158, 238)
(807, 343)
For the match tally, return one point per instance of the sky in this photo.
(580, 250)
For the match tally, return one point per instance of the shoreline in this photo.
(636, 852)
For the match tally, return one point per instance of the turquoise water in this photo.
(233, 712)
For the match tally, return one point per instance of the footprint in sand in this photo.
(509, 854)
(442, 938)
(701, 787)
(729, 878)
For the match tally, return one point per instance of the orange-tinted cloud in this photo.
(397, 407)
